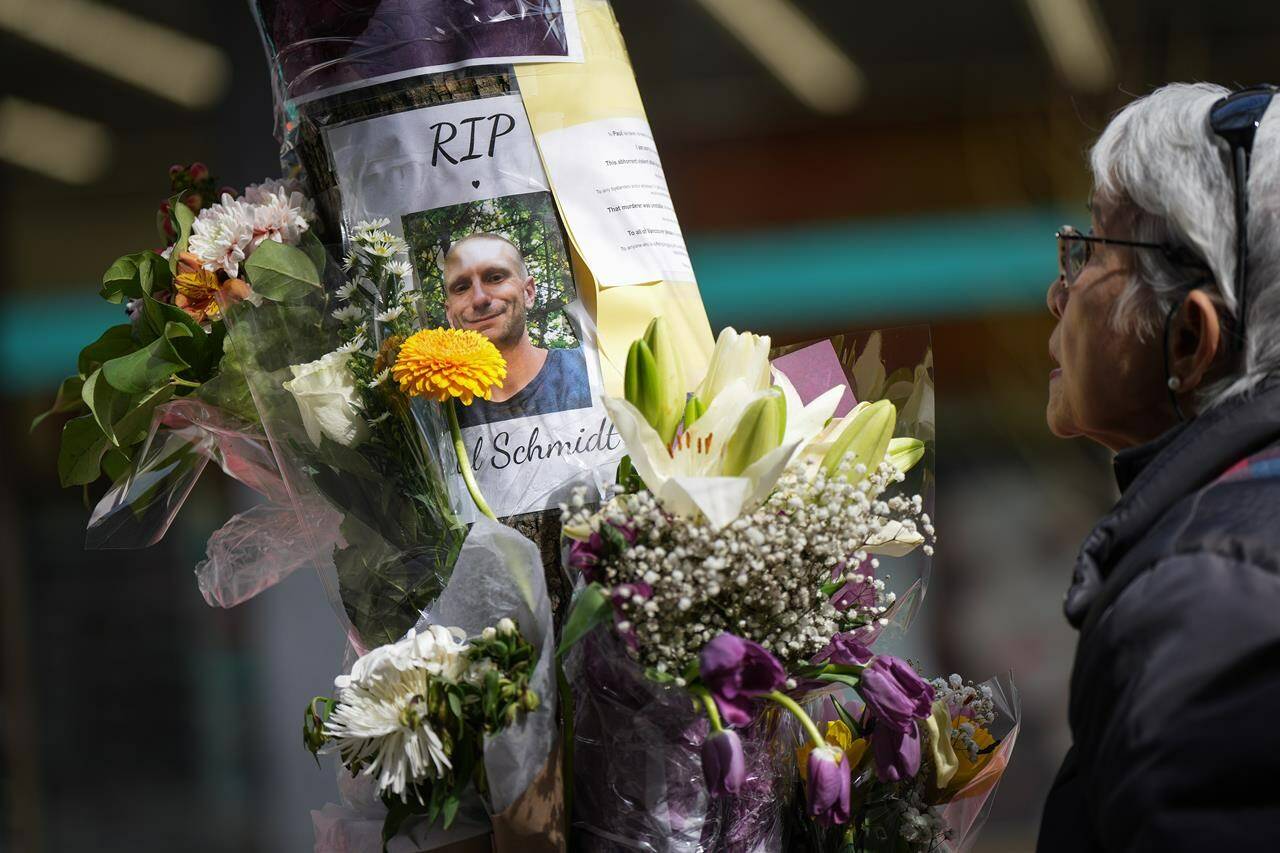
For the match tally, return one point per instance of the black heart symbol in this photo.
(475, 184)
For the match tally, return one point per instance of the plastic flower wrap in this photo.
(448, 718)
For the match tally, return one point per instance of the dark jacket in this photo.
(1175, 692)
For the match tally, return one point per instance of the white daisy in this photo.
(390, 315)
(365, 226)
(344, 292)
(399, 268)
(382, 376)
(348, 312)
(380, 250)
(355, 344)
(222, 234)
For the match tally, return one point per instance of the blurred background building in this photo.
(835, 166)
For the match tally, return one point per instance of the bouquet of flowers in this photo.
(455, 727)
(415, 713)
(738, 564)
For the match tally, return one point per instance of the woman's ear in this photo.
(1194, 341)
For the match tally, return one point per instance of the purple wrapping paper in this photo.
(814, 370)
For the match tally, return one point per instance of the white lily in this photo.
(737, 356)
(893, 539)
(804, 423)
(687, 478)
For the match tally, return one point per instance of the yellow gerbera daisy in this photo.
(444, 363)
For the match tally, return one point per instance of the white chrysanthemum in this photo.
(348, 312)
(350, 260)
(390, 315)
(381, 718)
(279, 217)
(286, 189)
(222, 234)
(344, 292)
(399, 268)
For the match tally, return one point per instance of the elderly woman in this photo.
(1168, 346)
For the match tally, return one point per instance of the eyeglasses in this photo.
(1235, 120)
(1075, 250)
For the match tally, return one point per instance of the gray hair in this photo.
(1159, 164)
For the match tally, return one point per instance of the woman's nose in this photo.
(1056, 297)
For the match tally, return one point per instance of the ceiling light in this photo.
(791, 46)
(59, 145)
(1077, 41)
(152, 57)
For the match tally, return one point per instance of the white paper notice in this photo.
(433, 157)
(611, 188)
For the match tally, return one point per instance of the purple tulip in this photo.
(829, 782)
(844, 649)
(896, 752)
(895, 695)
(584, 556)
(722, 763)
(735, 670)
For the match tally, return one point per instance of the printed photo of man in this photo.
(488, 288)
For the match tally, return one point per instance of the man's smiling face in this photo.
(488, 289)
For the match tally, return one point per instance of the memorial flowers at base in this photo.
(414, 715)
(740, 562)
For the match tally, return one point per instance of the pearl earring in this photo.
(1174, 383)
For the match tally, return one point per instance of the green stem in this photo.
(464, 463)
(713, 713)
(799, 713)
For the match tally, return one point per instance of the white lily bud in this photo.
(863, 440)
(736, 356)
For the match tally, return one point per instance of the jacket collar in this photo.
(1156, 475)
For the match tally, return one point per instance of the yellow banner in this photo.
(598, 98)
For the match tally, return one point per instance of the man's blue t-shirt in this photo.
(562, 384)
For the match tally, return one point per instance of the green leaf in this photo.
(591, 608)
(315, 250)
(183, 219)
(113, 343)
(122, 417)
(450, 810)
(107, 404)
(156, 315)
(135, 425)
(281, 273)
(68, 400)
(115, 464)
(455, 704)
(847, 680)
(80, 456)
(149, 367)
(228, 389)
(134, 276)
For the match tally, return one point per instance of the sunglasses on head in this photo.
(1235, 120)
